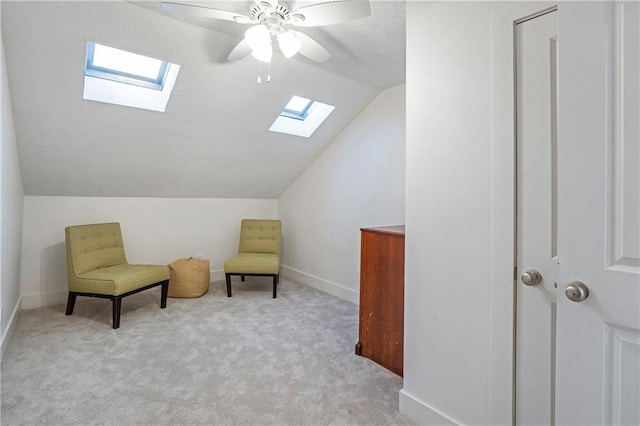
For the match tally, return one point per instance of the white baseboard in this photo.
(421, 413)
(11, 327)
(217, 275)
(320, 284)
(38, 300)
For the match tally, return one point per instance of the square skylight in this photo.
(124, 78)
(301, 117)
(297, 108)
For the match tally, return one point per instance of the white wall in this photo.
(358, 181)
(459, 212)
(11, 199)
(155, 230)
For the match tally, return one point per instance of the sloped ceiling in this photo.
(213, 139)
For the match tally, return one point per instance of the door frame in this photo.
(504, 208)
(516, 273)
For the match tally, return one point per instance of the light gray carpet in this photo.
(249, 359)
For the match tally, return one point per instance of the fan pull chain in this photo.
(259, 72)
(259, 80)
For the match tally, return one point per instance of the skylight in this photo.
(301, 117)
(297, 108)
(124, 78)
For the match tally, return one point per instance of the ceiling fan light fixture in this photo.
(258, 36)
(289, 43)
(263, 53)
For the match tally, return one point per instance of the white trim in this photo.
(217, 275)
(321, 284)
(420, 412)
(38, 300)
(11, 327)
(501, 297)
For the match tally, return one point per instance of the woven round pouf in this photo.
(189, 277)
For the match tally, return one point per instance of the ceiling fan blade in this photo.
(241, 50)
(332, 12)
(191, 10)
(311, 48)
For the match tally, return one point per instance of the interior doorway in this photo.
(536, 257)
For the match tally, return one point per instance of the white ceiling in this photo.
(213, 139)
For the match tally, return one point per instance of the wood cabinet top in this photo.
(394, 230)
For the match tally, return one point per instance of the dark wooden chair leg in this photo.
(165, 292)
(71, 303)
(228, 277)
(275, 285)
(117, 304)
(242, 278)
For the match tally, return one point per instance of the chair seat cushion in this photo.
(118, 279)
(253, 263)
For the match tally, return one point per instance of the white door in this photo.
(598, 339)
(536, 235)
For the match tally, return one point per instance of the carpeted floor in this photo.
(244, 360)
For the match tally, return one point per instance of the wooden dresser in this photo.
(381, 332)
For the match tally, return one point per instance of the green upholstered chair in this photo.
(97, 267)
(259, 252)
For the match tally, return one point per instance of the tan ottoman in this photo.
(188, 277)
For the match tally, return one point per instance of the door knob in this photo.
(531, 277)
(576, 291)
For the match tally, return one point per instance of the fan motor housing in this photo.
(263, 10)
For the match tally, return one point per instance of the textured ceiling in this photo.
(369, 50)
(212, 141)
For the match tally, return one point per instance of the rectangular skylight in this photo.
(301, 117)
(129, 79)
(297, 108)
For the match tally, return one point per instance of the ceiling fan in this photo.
(272, 19)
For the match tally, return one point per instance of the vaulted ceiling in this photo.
(213, 138)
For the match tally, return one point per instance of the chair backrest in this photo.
(260, 236)
(93, 246)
